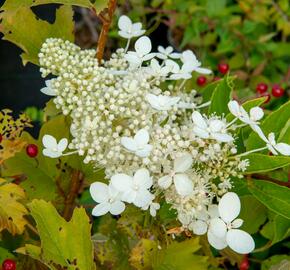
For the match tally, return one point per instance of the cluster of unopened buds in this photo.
(132, 116)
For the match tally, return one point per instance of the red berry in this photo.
(1, 138)
(262, 88)
(268, 97)
(9, 264)
(245, 265)
(277, 91)
(32, 150)
(201, 80)
(223, 68)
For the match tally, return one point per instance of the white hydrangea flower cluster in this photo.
(132, 116)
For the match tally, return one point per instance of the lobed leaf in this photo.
(12, 212)
(22, 27)
(65, 244)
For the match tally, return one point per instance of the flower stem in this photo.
(252, 151)
(127, 45)
(105, 28)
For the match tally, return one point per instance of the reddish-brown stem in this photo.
(106, 18)
(269, 179)
(69, 204)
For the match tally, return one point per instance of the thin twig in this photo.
(106, 18)
(76, 183)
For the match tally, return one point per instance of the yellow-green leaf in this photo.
(22, 27)
(63, 243)
(12, 212)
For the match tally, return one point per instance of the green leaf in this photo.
(263, 163)
(275, 197)
(277, 229)
(98, 5)
(23, 28)
(42, 171)
(277, 262)
(215, 7)
(221, 96)
(274, 122)
(63, 243)
(251, 210)
(180, 256)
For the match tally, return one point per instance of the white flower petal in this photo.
(283, 148)
(48, 91)
(49, 141)
(240, 241)
(122, 182)
(271, 138)
(234, 108)
(143, 198)
(125, 23)
(62, 145)
(117, 207)
(141, 137)
(216, 125)
(222, 137)
(198, 120)
(229, 207)
(129, 143)
(203, 70)
(256, 113)
(183, 163)
(50, 153)
(145, 151)
(200, 132)
(143, 46)
(142, 179)
(237, 223)
(198, 227)
(101, 209)
(99, 192)
(217, 243)
(218, 227)
(165, 181)
(183, 184)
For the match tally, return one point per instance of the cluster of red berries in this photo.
(9, 264)
(223, 68)
(262, 90)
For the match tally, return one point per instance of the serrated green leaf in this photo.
(263, 163)
(23, 28)
(63, 243)
(275, 197)
(274, 122)
(10, 5)
(221, 96)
